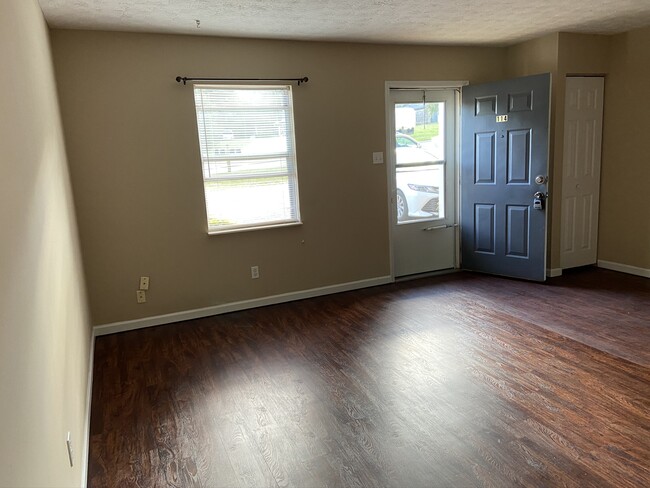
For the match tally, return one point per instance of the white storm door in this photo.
(422, 157)
(583, 125)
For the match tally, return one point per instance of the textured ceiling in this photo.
(496, 22)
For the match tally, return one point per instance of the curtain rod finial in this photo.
(179, 79)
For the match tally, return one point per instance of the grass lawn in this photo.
(216, 184)
(425, 134)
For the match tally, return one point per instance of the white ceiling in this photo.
(495, 22)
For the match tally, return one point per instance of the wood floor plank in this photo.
(456, 381)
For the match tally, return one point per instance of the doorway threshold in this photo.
(428, 274)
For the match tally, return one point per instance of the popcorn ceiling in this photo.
(493, 22)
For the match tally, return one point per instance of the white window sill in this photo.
(257, 227)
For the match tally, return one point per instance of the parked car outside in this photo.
(416, 197)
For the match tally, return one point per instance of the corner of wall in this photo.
(45, 333)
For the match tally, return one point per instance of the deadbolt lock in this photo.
(541, 179)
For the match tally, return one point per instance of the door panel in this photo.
(504, 148)
(517, 230)
(485, 162)
(518, 157)
(484, 224)
(581, 176)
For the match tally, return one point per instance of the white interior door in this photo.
(583, 125)
(422, 163)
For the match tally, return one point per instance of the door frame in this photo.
(415, 86)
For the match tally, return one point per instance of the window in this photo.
(419, 162)
(248, 156)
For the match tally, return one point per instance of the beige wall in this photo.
(44, 330)
(624, 233)
(132, 145)
(135, 167)
(561, 54)
(533, 57)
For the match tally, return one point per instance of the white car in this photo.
(417, 196)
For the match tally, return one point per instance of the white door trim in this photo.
(417, 85)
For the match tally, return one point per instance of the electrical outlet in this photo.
(68, 443)
(141, 296)
(144, 282)
(255, 272)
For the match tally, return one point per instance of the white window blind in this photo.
(246, 136)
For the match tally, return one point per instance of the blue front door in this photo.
(504, 168)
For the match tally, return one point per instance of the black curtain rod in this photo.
(424, 88)
(184, 80)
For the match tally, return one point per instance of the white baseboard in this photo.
(553, 272)
(624, 268)
(116, 327)
(89, 400)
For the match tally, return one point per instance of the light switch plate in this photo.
(378, 158)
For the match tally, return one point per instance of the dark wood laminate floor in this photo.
(457, 381)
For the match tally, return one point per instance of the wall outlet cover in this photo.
(144, 282)
(68, 443)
